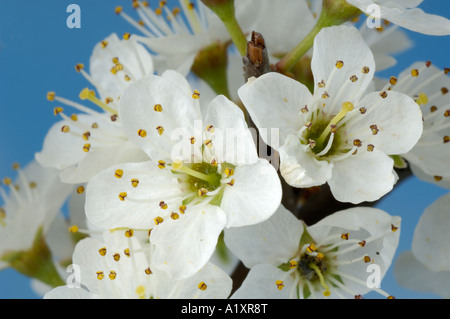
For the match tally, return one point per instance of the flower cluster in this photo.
(204, 142)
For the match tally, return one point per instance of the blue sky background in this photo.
(38, 53)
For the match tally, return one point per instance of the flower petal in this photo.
(362, 177)
(254, 196)
(185, 245)
(274, 101)
(271, 241)
(299, 167)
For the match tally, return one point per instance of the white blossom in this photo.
(121, 267)
(333, 258)
(339, 135)
(405, 14)
(82, 144)
(187, 198)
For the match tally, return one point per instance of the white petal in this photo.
(185, 245)
(431, 236)
(274, 101)
(398, 120)
(233, 142)
(299, 167)
(255, 195)
(362, 177)
(349, 47)
(412, 274)
(273, 241)
(137, 112)
(260, 283)
(104, 207)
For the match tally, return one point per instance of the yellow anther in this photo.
(158, 11)
(279, 284)
(196, 95)
(79, 67)
(7, 181)
(86, 135)
(202, 192)
(393, 80)
(357, 143)
(140, 291)
(94, 125)
(86, 147)
(362, 243)
(80, 189)
(434, 109)
(148, 271)
(365, 70)
(174, 216)
(108, 100)
(126, 252)
(32, 185)
(202, 286)
(353, 78)
(176, 11)
(415, 73)
(208, 143)
(182, 209)
(229, 171)
(73, 229)
(293, 264)
(142, 133)
(135, 5)
(118, 173)
(444, 90)
(100, 275)
(437, 178)
(115, 60)
(74, 117)
(118, 10)
(51, 96)
(214, 162)
(102, 251)
(374, 129)
(126, 78)
(384, 94)
(362, 110)
(112, 275)
(339, 64)
(161, 164)
(158, 220)
(157, 108)
(391, 297)
(57, 110)
(345, 236)
(65, 129)
(134, 182)
(422, 99)
(116, 257)
(129, 233)
(231, 183)
(192, 140)
(160, 129)
(394, 228)
(122, 196)
(327, 293)
(367, 259)
(141, 23)
(320, 256)
(163, 205)
(370, 147)
(446, 139)
(311, 248)
(191, 6)
(210, 129)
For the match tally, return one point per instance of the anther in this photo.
(57, 110)
(129, 233)
(374, 129)
(339, 64)
(163, 205)
(196, 95)
(51, 96)
(357, 143)
(370, 147)
(65, 129)
(345, 236)
(122, 196)
(161, 164)
(384, 94)
(202, 286)
(365, 70)
(394, 228)
(174, 216)
(279, 284)
(80, 189)
(415, 73)
(160, 129)
(118, 173)
(158, 220)
(157, 108)
(100, 275)
(210, 129)
(446, 139)
(148, 271)
(367, 259)
(393, 80)
(116, 256)
(202, 192)
(134, 182)
(112, 275)
(73, 229)
(102, 251)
